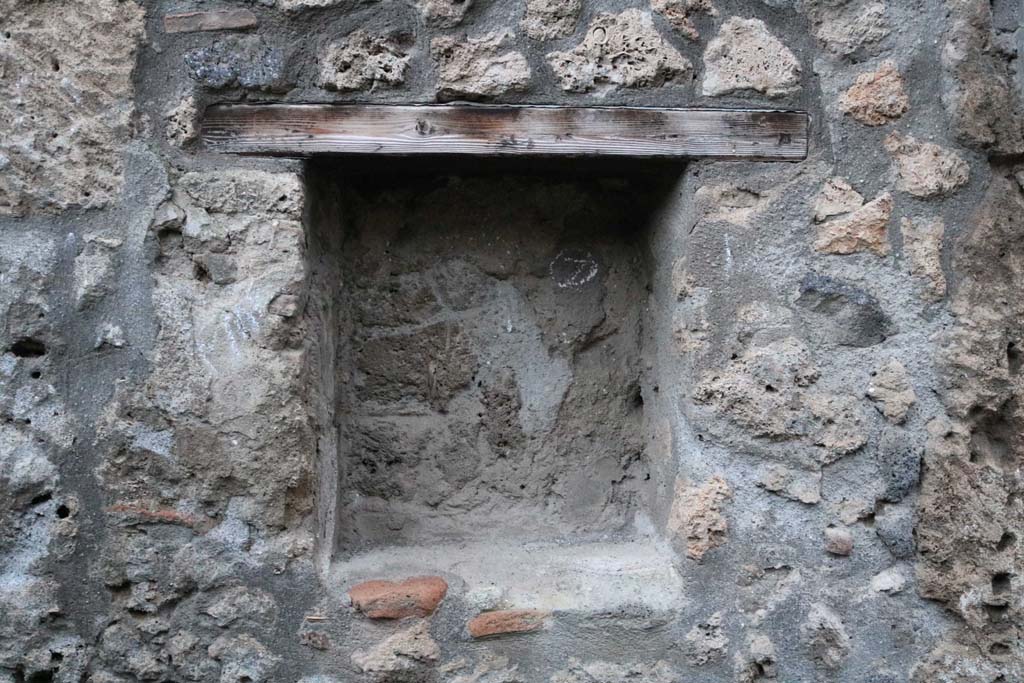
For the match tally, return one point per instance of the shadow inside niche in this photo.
(484, 365)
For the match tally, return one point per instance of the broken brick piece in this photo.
(415, 597)
(499, 622)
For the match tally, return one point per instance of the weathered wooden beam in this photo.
(302, 130)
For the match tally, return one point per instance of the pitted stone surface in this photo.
(757, 662)
(985, 104)
(697, 518)
(706, 641)
(65, 103)
(443, 13)
(362, 60)
(680, 14)
(549, 19)
(248, 62)
(768, 392)
(745, 56)
(608, 672)
(925, 169)
(801, 486)
(405, 656)
(836, 198)
(825, 635)
(853, 28)
(182, 122)
(877, 97)
(620, 51)
(478, 68)
(922, 247)
(891, 389)
(863, 229)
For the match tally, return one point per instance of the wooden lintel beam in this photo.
(303, 130)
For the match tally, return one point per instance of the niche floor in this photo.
(486, 376)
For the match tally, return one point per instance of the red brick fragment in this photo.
(498, 622)
(415, 597)
(146, 513)
(218, 20)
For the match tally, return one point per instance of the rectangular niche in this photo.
(484, 374)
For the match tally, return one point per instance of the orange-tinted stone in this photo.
(506, 621)
(415, 597)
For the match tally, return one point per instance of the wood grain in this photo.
(302, 130)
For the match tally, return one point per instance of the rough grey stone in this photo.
(706, 641)
(242, 658)
(608, 672)
(895, 527)
(843, 314)
(825, 635)
(248, 62)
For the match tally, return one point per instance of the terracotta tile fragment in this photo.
(415, 597)
(500, 622)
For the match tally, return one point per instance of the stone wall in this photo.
(830, 365)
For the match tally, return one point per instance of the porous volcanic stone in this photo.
(877, 97)
(548, 19)
(746, 56)
(362, 60)
(620, 51)
(477, 68)
(924, 169)
(679, 13)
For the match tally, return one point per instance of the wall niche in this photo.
(486, 382)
